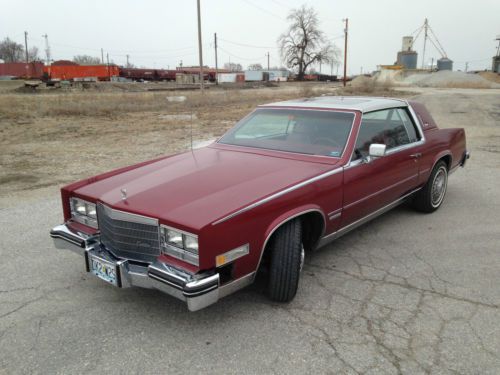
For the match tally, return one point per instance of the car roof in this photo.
(355, 103)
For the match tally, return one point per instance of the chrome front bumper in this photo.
(197, 290)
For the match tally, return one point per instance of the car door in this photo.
(372, 183)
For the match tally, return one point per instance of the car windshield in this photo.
(302, 131)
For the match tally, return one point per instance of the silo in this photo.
(408, 59)
(444, 63)
(407, 43)
(496, 64)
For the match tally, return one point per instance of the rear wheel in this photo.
(431, 196)
(287, 260)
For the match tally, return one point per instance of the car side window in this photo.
(387, 127)
(409, 125)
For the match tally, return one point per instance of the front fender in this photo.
(285, 217)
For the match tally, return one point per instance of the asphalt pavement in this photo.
(406, 293)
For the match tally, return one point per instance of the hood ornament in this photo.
(124, 194)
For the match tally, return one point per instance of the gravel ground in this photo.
(406, 293)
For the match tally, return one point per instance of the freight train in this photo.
(71, 71)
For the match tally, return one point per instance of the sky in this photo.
(162, 33)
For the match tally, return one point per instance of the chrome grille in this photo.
(128, 235)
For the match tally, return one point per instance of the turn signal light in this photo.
(231, 255)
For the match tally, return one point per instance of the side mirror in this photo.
(377, 150)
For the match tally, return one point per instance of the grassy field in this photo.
(54, 138)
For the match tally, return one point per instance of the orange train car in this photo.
(70, 72)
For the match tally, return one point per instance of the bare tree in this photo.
(11, 51)
(33, 54)
(86, 60)
(304, 43)
(255, 67)
(233, 67)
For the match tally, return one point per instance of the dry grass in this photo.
(50, 139)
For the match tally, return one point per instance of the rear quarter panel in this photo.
(438, 142)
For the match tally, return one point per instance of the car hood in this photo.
(196, 188)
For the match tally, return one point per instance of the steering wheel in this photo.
(325, 141)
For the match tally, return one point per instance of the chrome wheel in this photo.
(439, 185)
(302, 258)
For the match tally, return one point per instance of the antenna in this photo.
(191, 131)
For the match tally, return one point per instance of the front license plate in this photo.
(104, 270)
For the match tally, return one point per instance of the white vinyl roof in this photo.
(355, 103)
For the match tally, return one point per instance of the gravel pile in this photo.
(450, 79)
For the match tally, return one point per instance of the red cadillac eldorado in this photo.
(287, 179)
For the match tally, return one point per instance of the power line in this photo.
(264, 10)
(238, 57)
(246, 45)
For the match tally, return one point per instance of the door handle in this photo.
(416, 156)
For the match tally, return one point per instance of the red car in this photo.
(288, 178)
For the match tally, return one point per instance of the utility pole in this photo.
(26, 45)
(107, 66)
(426, 30)
(47, 48)
(216, 66)
(466, 66)
(127, 62)
(267, 61)
(200, 51)
(346, 31)
(102, 56)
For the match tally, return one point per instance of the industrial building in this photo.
(407, 58)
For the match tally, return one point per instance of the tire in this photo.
(287, 259)
(431, 196)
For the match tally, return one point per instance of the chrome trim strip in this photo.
(128, 216)
(279, 194)
(404, 147)
(380, 191)
(335, 211)
(180, 231)
(283, 222)
(424, 171)
(235, 285)
(335, 216)
(332, 236)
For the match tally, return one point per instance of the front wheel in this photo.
(287, 260)
(429, 198)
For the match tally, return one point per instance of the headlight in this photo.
(174, 237)
(191, 244)
(84, 212)
(179, 244)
